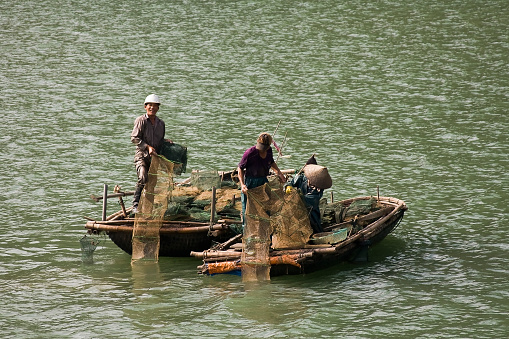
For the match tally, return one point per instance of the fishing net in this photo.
(191, 203)
(88, 246)
(269, 211)
(292, 227)
(151, 210)
(205, 180)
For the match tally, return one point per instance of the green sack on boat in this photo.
(177, 154)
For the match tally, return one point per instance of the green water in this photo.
(412, 97)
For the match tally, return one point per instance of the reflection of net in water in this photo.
(88, 246)
(270, 211)
(152, 207)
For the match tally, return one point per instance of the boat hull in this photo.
(171, 245)
(349, 252)
(176, 239)
(378, 224)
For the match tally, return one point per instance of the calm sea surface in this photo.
(410, 96)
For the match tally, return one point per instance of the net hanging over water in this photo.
(151, 209)
(88, 246)
(271, 212)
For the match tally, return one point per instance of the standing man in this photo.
(148, 136)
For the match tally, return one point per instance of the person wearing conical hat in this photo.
(311, 182)
(254, 167)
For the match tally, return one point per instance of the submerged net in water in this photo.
(269, 211)
(151, 209)
(88, 246)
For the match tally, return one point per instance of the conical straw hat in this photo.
(318, 176)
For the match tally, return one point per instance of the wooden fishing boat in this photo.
(360, 231)
(177, 238)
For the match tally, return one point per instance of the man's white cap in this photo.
(153, 99)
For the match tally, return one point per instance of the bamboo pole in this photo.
(229, 221)
(120, 201)
(124, 212)
(215, 254)
(120, 214)
(105, 200)
(277, 127)
(221, 259)
(162, 230)
(114, 216)
(209, 256)
(213, 206)
(113, 195)
(229, 242)
(166, 223)
(280, 151)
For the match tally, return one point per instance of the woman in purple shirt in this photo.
(255, 165)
